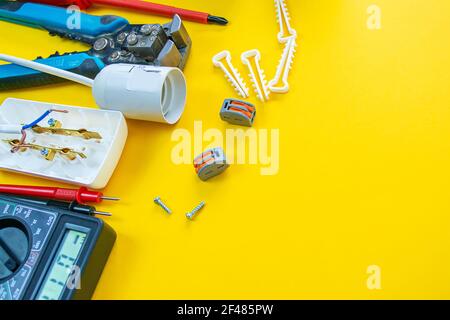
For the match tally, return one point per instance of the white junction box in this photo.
(102, 154)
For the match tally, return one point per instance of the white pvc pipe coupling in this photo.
(142, 92)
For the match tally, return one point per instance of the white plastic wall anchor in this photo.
(280, 84)
(284, 19)
(257, 76)
(233, 77)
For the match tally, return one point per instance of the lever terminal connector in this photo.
(238, 112)
(210, 163)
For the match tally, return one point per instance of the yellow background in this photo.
(364, 160)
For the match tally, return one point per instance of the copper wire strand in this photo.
(21, 142)
(24, 134)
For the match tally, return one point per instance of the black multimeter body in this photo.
(50, 254)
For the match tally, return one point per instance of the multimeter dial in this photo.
(14, 246)
(23, 234)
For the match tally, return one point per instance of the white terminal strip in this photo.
(102, 153)
(258, 77)
(231, 73)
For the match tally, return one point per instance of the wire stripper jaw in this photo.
(210, 163)
(149, 44)
(238, 112)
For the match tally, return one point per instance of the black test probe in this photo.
(72, 206)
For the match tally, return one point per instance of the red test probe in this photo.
(81, 195)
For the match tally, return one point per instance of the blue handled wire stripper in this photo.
(112, 39)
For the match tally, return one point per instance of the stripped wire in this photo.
(31, 125)
(36, 122)
(21, 143)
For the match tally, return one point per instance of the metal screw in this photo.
(121, 37)
(100, 44)
(146, 29)
(115, 55)
(51, 122)
(158, 201)
(191, 214)
(132, 39)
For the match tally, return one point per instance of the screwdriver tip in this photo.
(217, 20)
(101, 213)
(110, 198)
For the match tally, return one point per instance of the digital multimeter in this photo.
(50, 254)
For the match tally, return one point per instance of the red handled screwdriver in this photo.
(81, 195)
(154, 8)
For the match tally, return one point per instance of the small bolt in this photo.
(121, 37)
(132, 39)
(146, 29)
(191, 214)
(115, 55)
(44, 152)
(158, 201)
(100, 44)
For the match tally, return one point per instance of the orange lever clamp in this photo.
(210, 163)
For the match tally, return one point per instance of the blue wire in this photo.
(35, 122)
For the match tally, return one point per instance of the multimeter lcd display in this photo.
(62, 266)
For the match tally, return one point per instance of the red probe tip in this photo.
(110, 198)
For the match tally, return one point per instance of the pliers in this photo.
(112, 39)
